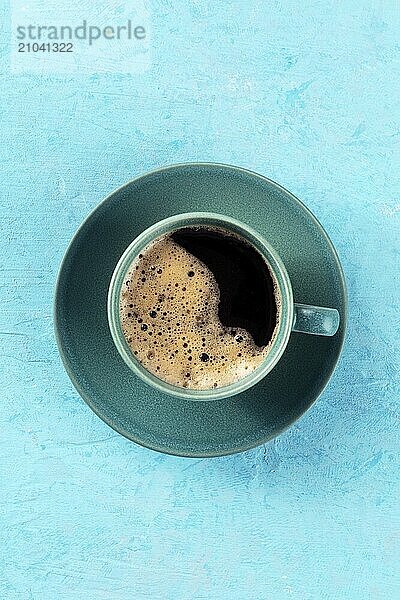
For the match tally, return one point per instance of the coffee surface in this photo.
(199, 308)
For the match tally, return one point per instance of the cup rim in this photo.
(279, 273)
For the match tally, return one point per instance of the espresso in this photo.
(200, 308)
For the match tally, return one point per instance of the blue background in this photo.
(307, 94)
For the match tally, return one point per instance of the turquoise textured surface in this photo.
(308, 96)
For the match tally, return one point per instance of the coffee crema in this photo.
(200, 308)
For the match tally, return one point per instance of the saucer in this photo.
(145, 415)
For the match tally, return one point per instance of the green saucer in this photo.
(159, 421)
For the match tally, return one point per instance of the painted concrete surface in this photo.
(308, 95)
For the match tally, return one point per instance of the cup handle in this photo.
(316, 320)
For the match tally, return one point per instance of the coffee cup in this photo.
(237, 360)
